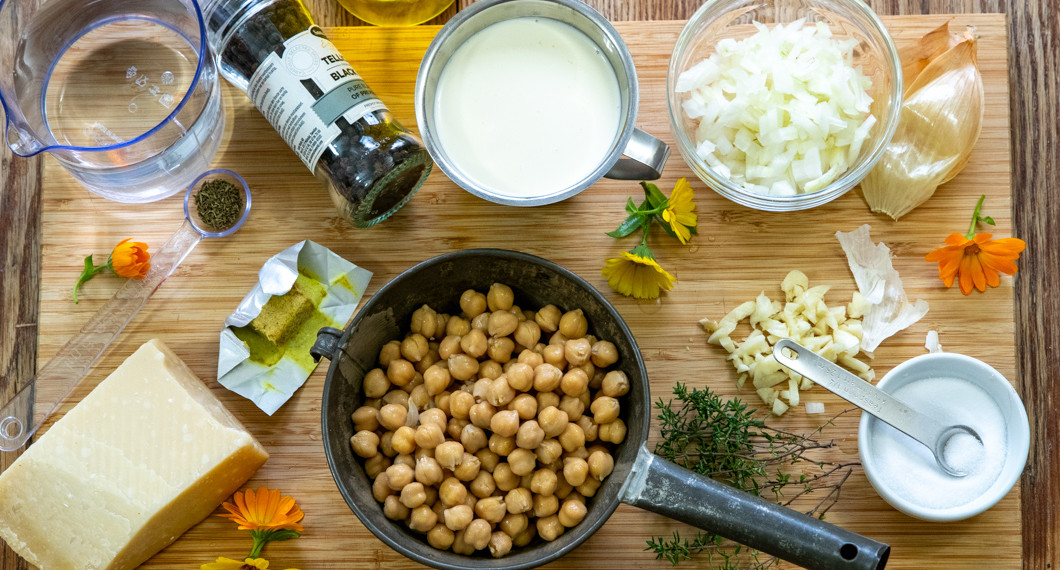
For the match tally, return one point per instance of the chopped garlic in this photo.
(931, 343)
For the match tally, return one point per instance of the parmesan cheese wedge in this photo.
(146, 455)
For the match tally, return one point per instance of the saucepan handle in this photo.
(327, 344)
(646, 158)
(662, 487)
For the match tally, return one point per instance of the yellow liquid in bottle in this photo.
(396, 12)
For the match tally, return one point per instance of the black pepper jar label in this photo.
(304, 88)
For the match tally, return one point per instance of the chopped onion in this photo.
(783, 112)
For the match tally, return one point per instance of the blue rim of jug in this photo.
(204, 52)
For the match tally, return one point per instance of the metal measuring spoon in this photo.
(34, 403)
(880, 404)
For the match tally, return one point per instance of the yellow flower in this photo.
(264, 510)
(230, 564)
(637, 276)
(680, 211)
(130, 259)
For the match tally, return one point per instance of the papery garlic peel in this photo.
(942, 116)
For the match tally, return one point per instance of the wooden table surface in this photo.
(1034, 44)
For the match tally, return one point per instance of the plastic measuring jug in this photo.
(123, 94)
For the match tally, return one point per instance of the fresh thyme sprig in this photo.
(726, 440)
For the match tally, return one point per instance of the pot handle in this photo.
(647, 157)
(327, 344)
(665, 488)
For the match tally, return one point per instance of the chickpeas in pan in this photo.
(492, 428)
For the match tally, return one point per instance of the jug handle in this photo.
(665, 488)
(646, 158)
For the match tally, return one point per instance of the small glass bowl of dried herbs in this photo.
(217, 202)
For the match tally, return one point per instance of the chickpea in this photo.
(468, 468)
(514, 524)
(458, 517)
(601, 464)
(398, 397)
(613, 432)
(577, 351)
(573, 324)
(531, 358)
(427, 436)
(525, 537)
(422, 519)
(413, 495)
(428, 471)
(605, 409)
(589, 487)
(573, 407)
(365, 418)
(428, 359)
(481, 414)
(452, 492)
(440, 537)
(549, 528)
(477, 534)
(436, 379)
(553, 420)
(547, 377)
(502, 323)
(527, 333)
(615, 384)
(400, 371)
(449, 454)
(553, 354)
(393, 509)
(376, 465)
(505, 423)
(399, 475)
(365, 443)
(386, 444)
(481, 322)
(448, 347)
(545, 505)
(390, 351)
(440, 323)
(403, 441)
(462, 366)
(456, 427)
(574, 382)
(460, 403)
(381, 487)
(473, 438)
(434, 416)
(505, 478)
(474, 343)
(546, 399)
(500, 393)
(563, 488)
(500, 297)
(392, 416)
(423, 320)
(548, 318)
(589, 427)
(575, 470)
(472, 303)
(488, 459)
(571, 512)
(460, 546)
(405, 459)
(414, 347)
(500, 544)
(457, 326)
(500, 348)
(375, 383)
(520, 376)
(519, 500)
(490, 369)
(491, 509)
(604, 353)
(522, 461)
(483, 485)
(419, 396)
(544, 482)
(530, 435)
(501, 445)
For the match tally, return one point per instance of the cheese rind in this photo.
(146, 455)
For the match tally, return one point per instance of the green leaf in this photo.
(654, 196)
(630, 225)
(988, 220)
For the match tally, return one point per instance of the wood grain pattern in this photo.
(738, 253)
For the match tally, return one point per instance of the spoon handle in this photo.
(37, 400)
(858, 392)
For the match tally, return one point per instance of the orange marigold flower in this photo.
(976, 261)
(130, 259)
(265, 510)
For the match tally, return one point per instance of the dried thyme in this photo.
(219, 204)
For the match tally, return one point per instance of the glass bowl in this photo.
(875, 54)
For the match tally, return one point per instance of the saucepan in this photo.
(639, 477)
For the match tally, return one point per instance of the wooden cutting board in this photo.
(738, 253)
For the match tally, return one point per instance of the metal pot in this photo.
(639, 478)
